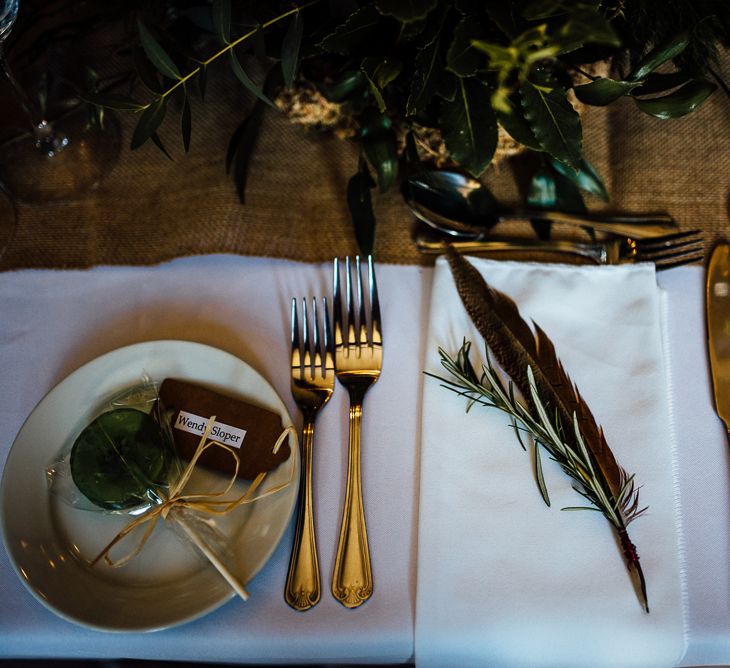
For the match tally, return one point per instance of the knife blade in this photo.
(717, 303)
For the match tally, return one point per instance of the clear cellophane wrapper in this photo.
(123, 461)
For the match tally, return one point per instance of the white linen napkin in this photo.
(504, 580)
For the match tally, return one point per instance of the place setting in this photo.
(364, 333)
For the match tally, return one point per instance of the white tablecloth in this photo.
(52, 322)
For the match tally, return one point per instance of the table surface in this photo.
(55, 321)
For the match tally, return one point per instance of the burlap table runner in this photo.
(149, 209)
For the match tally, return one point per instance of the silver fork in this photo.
(358, 360)
(665, 251)
(312, 384)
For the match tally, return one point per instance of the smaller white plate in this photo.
(167, 583)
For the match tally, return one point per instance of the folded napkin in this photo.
(503, 580)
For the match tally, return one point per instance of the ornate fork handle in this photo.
(352, 579)
(303, 585)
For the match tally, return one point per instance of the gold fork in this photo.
(358, 360)
(312, 384)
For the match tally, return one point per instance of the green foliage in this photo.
(461, 67)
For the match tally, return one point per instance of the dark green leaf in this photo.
(462, 58)
(351, 83)
(586, 178)
(516, 125)
(426, 77)
(157, 55)
(659, 82)
(406, 10)
(469, 126)
(603, 91)
(660, 55)
(247, 82)
(113, 101)
(554, 122)
(567, 195)
(543, 9)
(409, 31)
(585, 26)
(146, 71)
(290, 48)
(186, 124)
(359, 202)
(380, 72)
(380, 149)
(150, 120)
(158, 142)
(472, 7)
(221, 10)
(446, 88)
(359, 27)
(241, 148)
(202, 81)
(411, 159)
(682, 101)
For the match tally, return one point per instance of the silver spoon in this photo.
(460, 206)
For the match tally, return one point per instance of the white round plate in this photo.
(167, 583)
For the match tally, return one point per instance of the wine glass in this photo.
(53, 163)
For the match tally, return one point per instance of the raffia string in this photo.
(211, 503)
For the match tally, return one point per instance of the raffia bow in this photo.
(212, 503)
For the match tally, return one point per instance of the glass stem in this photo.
(47, 140)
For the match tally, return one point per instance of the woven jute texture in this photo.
(149, 209)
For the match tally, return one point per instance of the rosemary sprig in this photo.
(546, 430)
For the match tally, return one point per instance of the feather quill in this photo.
(516, 348)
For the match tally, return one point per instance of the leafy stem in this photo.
(227, 48)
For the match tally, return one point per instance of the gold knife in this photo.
(717, 302)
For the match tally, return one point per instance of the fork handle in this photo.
(303, 584)
(352, 579)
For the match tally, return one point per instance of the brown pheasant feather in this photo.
(516, 348)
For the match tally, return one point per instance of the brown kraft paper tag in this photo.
(249, 430)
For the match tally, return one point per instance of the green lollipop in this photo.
(119, 458)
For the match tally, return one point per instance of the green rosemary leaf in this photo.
(157, 55)
(539, 475)
(571, 508)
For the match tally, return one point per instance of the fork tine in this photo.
(337, 302)
(377, 337)
(315, 339)
(675, 240)
(329, 357)
(363, 331)
(351, 340)
(296, 356)
(305, 340)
